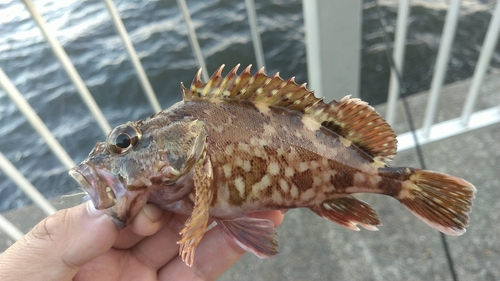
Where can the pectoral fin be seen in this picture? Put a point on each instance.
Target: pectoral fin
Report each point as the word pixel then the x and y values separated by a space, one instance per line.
pixel 253 235
pixel 348 212
pixel 196 225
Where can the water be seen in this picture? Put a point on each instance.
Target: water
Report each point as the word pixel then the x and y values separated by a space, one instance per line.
pixel 160 38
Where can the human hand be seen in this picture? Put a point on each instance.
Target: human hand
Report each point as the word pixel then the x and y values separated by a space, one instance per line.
pixel 82 243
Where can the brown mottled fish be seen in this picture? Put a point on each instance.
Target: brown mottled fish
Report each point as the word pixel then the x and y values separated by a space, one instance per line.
pixel 246 143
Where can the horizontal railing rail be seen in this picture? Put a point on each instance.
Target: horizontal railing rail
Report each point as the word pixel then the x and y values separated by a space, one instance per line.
pixel 430 131
pixel 468 120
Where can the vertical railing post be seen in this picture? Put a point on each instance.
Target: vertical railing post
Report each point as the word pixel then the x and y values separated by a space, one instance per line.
pixel 193 39
pixel 25 185
pixel 70 69
pixel 35 120
pixel 482 64
pixel 254 29
pixel 333 40
pixel 398 55
pixel 11 230
pixel 441 66
pixel 139 70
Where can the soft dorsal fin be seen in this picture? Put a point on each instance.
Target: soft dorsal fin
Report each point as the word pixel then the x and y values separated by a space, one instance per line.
pixel 351 118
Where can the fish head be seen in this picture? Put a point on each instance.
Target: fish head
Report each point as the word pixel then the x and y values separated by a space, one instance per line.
pixel 120 174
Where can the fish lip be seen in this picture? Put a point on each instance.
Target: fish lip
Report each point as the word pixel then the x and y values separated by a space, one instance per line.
pixel 109 193
pixel 98 188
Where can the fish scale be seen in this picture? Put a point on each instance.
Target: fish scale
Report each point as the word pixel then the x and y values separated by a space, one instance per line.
pixel 251 143
pixel 246 143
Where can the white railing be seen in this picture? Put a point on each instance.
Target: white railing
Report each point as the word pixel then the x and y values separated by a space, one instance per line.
pixel 68 67
pixel 430 132
pixel 141 74
pixel 469 120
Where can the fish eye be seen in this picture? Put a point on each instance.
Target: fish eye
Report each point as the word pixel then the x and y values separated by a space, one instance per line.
pixel 122 139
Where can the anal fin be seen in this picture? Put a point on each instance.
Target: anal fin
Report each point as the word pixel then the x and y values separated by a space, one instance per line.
pixel 254 235
pixel 348 212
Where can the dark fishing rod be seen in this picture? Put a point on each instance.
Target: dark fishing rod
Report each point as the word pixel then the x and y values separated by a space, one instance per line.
pixel 411 124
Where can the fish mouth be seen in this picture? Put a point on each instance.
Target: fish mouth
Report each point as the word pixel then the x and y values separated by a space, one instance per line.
pixel 108 193
pixel 101 186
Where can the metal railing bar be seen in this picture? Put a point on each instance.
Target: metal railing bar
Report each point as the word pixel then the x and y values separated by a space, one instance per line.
pixel 254 29
pixel 35 120
pixel 25 185
pixel 193 39
pixel 450 128
pixel 312 38
pixel 482 65
pixel 141 74
pixel 398 54
pixel 69 67
pixel 11 230
pixel 414 137
pixel 441 65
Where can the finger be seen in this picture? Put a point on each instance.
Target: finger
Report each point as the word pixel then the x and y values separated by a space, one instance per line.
pixel 148 221
pixel 158 249
pixel 57 246
pixel 214 255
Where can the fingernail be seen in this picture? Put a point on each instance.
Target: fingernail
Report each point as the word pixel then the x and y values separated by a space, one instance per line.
pixel 153 212
pixel 283 211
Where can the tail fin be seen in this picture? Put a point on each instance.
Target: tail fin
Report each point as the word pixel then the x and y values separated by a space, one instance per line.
pixel 442 201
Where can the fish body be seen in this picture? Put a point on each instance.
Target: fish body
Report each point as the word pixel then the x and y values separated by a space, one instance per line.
pixel 267 161
pixel 246 143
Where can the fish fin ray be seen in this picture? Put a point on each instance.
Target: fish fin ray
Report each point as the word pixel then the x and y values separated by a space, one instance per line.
pixel 348 212
pixel 196 225
pixel 350 118
pixel 254 235
pixel 359 123
pixel 442 201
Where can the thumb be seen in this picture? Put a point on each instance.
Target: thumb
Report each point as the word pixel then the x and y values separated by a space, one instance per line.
pixel 58 245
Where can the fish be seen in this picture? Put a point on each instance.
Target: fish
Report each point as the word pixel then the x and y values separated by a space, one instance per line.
pixel 244 143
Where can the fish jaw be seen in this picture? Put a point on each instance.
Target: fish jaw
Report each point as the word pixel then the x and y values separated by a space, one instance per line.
pixel 102 187
pixel 108 193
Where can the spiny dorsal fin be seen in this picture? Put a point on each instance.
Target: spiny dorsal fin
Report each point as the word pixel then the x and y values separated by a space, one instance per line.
pixel 352 119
